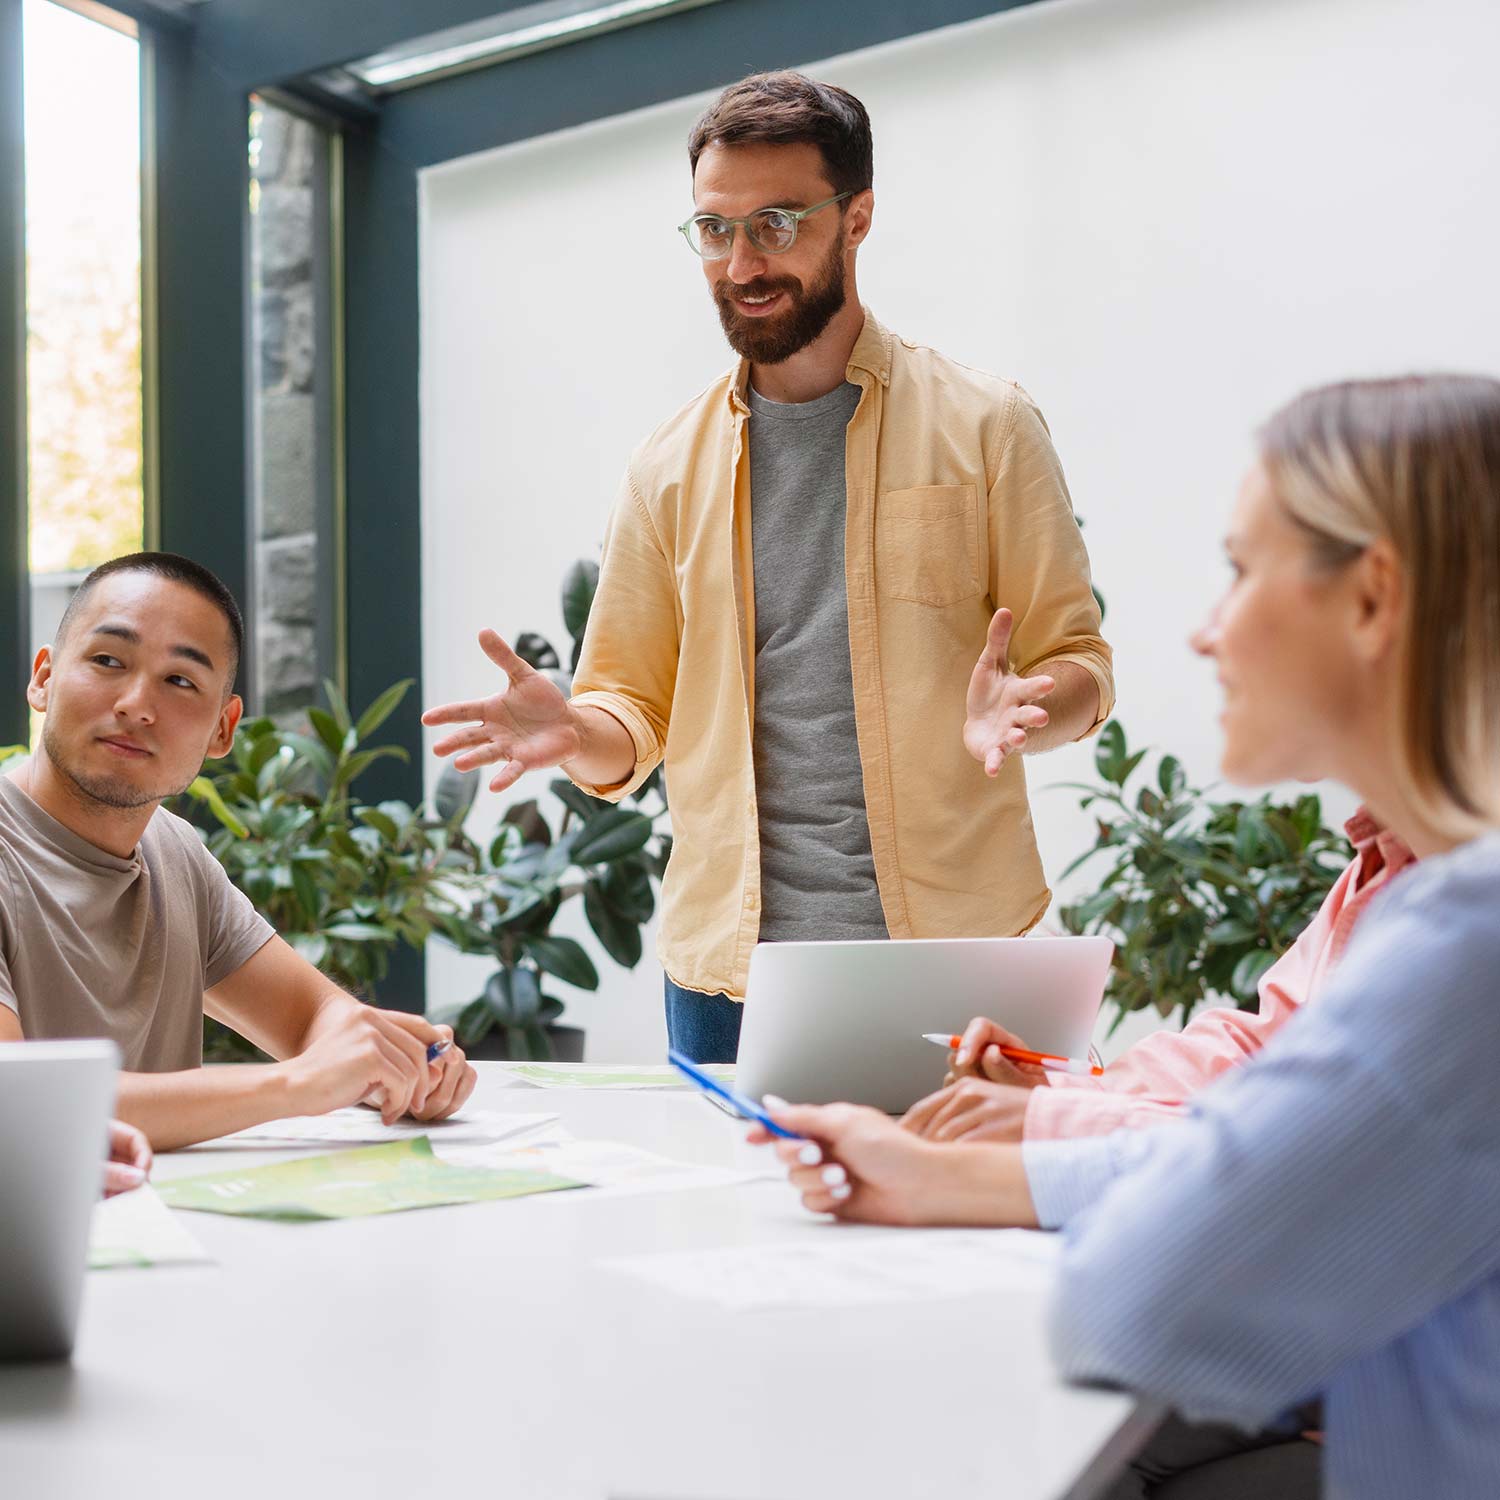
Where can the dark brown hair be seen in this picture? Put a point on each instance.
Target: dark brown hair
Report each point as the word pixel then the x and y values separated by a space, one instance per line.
pixel 1415 460
pixel 790 109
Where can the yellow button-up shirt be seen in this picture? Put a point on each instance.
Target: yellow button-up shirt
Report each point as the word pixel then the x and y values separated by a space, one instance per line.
pixel 956 506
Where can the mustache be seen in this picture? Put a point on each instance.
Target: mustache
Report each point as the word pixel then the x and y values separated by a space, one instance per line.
pixel 762 286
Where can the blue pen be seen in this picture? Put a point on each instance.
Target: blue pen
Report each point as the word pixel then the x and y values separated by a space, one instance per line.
pixel 437 1049
pixel 745 1108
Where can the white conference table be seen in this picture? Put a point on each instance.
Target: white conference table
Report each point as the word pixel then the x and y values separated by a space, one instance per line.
pixel 482 1350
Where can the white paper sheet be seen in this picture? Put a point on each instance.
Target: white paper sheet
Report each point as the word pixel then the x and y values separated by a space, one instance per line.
pixel 138 1229
pixel 359 1126
pixel 843 1269
pixel 609 1167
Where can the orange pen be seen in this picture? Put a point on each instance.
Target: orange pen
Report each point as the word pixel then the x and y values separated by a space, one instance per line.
pixel 1048 1060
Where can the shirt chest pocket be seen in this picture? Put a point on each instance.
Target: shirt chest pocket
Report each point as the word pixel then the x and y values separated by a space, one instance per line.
pixel 927 544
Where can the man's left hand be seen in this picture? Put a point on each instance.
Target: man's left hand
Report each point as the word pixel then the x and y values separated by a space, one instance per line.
pixel 1001 707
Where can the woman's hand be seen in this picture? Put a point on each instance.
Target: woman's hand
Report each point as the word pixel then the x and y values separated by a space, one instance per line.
pixel 970 1110
pixel 859 1164
pixel 978 1055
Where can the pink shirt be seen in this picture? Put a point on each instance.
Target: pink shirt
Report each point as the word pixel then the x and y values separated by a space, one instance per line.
pixel 1154 1079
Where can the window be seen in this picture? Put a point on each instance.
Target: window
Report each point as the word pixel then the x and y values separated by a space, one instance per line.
pixel 83 300
pixel 296 610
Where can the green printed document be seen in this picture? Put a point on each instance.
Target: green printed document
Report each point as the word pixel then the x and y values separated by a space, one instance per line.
pixel 349 1184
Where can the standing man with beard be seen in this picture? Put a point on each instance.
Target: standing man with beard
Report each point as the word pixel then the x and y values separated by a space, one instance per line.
pixel 836 589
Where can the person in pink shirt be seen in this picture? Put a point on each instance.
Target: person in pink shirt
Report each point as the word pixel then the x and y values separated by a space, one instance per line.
pixel 988 1098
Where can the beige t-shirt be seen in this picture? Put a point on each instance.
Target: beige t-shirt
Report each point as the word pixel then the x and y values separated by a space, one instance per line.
pixel 96 946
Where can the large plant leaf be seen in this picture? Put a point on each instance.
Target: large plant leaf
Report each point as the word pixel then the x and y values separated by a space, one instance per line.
pixel 621 938
pixel 358 764
pixel 580 583
pixel 575 799
pixel 527 817
pixel 564 959
pixel 612 835
pixel 453 798
pixel 327 730
pixel 340 707
pixel 203 790
pixel 626 886
pixel 514 995
pixel 536 651
pixel 382 708
pixel 1248 971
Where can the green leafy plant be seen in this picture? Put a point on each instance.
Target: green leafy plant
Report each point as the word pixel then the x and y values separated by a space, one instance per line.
pixel 343 881
pixel 608 855
pixel 1200 897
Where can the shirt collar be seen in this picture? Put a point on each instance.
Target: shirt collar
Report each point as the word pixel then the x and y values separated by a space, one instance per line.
pixel 871 354
pixel 1368 835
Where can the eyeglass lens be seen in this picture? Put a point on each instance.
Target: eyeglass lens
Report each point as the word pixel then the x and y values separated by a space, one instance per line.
pixel 772 230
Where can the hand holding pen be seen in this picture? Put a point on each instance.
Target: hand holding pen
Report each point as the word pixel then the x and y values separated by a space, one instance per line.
pixel 987 1050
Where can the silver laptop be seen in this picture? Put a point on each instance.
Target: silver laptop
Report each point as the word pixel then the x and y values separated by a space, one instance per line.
pixel 55 1102
pixel 831 1021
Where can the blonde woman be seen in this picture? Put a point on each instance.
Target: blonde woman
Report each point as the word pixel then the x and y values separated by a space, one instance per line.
pixel 1326 1223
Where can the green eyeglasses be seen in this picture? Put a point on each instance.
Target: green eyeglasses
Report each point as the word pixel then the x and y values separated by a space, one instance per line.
pixel 771 230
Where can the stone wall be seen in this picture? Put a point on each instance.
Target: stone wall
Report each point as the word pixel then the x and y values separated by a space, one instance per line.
pixel 284 329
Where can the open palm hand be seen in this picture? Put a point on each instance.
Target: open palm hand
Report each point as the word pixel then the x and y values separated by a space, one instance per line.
pixel 528 725
pixel 1001 707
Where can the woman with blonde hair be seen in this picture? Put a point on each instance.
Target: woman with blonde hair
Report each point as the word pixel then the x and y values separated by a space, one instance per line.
pixel 1325 1225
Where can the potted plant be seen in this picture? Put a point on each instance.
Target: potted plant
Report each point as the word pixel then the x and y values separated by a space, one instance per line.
pixel 1200 897
pixel 608 855
pixel 343 881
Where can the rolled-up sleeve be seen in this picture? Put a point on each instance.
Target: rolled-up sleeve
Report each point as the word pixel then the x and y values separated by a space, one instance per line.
pixel 628 666
pixel 1039 566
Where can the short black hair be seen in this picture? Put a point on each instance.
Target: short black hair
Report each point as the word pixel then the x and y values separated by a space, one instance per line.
pixel 790 109
pixel 178 569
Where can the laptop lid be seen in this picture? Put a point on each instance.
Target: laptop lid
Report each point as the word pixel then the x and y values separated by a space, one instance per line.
pixel 55 1102
pixel 831 1021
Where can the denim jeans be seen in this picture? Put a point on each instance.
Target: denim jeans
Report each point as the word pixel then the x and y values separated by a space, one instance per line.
pixel 705 1028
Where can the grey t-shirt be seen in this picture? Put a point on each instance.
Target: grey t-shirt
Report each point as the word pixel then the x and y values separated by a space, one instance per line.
pixel 92 945
pixel 817 873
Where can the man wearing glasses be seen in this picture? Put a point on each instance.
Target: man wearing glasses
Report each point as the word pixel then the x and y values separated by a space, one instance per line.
pixel 836 590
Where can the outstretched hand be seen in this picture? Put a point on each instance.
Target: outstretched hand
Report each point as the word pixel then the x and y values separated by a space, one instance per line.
pixel 527 726
pixel 1001 707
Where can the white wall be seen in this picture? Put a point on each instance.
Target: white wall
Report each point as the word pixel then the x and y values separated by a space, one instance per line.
pixel 1163 216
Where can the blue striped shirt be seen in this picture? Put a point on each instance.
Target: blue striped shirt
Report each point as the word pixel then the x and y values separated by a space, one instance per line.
pixel 1326 1221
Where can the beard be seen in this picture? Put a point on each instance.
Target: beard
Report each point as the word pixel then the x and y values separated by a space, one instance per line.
pixel 769 341
pixel 108 791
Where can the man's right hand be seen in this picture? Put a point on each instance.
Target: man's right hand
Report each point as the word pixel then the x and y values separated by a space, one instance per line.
pixel 528 725
pixel 360 1053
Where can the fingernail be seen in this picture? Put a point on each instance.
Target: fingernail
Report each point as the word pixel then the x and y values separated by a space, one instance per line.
pixel 960 1057
pixel 834 1174
pixel 841 1192
pixel 773 1101
pixel 133 1175
pixel 810 1154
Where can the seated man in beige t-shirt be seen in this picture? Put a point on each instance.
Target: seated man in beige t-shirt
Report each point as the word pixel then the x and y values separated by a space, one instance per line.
pixel 116 921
